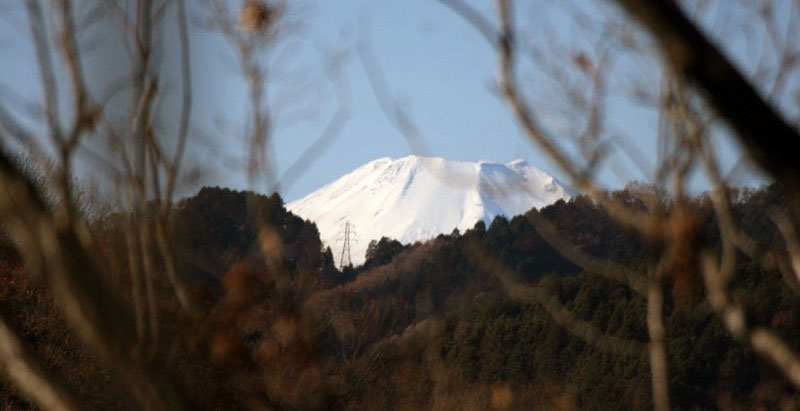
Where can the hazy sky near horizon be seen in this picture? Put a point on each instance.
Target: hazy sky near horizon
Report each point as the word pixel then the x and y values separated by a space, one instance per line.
pixel 435 65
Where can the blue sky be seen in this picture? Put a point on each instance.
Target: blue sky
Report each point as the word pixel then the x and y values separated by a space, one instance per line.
pixel 435 64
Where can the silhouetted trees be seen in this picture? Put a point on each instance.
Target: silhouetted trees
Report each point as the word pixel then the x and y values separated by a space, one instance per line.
pixel 432 311
pixel 382 251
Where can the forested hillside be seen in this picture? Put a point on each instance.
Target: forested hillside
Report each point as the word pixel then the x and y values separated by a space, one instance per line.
pixel 436 324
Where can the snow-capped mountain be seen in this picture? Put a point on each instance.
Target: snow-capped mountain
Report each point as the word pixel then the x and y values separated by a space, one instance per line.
pixel 416 198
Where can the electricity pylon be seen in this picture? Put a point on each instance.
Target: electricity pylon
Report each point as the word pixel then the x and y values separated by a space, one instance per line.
pixel 347 236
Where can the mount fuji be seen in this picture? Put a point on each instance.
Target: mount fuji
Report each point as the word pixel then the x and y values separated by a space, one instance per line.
pixel 416 198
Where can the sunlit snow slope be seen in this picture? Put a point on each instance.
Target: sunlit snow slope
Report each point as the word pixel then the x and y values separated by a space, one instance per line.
pixel 416 198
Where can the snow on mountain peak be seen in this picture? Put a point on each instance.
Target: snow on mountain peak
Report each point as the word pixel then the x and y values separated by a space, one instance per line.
pixel 416 198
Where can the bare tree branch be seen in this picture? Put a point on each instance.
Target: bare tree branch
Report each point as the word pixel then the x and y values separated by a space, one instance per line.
pixel 186 99
pixel 768 138
pixel 30 377
pixel 56 250
pixel 763 341
pixel 393 111
pixel 560 314
pixel 655 329
pixel 475 18
pixel 525 116
pixel 588 263
pixel 46 71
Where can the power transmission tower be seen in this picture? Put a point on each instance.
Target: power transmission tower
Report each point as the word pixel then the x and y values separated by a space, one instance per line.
pixel 346 236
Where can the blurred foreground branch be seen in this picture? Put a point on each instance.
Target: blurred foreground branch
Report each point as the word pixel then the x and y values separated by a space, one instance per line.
pixel 768 138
